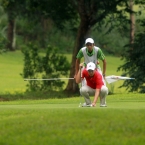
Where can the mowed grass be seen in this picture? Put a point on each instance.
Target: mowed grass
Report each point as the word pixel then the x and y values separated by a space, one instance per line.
pixel 62 122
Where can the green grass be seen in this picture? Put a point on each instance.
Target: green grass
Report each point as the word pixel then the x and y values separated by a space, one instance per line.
pixel 11 65
pixel 61 121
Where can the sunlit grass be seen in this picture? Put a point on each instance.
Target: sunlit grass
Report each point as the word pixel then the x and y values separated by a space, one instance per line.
pixel 11 65
pixel 62 121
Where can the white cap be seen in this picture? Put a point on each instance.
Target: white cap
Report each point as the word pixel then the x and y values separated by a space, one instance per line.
pixel 89 40
pixel 91 66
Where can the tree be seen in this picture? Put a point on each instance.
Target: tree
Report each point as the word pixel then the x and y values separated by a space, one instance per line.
pixel 134 64
pixel 135 60
pixel 37 66
pixel 132 23
pixel 38 11
pixel 2 30
pixel 12 8
pixel 90 13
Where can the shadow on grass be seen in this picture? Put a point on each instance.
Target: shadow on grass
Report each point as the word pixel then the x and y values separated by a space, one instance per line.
pixel 36 95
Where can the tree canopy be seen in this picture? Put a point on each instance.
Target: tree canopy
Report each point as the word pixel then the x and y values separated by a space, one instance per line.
pixel 134 65
pixel 80 17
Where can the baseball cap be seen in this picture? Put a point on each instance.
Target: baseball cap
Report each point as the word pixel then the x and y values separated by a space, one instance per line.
pixel 91 66
pixel 89 40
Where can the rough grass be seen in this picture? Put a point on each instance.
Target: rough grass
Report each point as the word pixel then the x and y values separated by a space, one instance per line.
pixel 11 65
pixel 61 121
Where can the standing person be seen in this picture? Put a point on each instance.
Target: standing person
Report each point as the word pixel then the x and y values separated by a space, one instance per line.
pixel 91 53
pixel 95 86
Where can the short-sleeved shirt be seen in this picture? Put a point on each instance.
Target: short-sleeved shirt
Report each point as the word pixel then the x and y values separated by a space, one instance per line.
pixel 100 54
pixel 95 82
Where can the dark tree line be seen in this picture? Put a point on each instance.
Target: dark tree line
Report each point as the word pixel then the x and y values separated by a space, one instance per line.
pixel 81 14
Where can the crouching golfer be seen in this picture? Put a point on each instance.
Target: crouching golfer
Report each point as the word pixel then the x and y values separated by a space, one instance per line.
pixel 95 86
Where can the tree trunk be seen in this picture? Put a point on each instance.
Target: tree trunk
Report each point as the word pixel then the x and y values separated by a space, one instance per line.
pixel 81 36
pixel 132 24
pixel 10 34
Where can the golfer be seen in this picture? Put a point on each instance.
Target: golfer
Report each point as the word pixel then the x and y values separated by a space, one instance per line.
pixel 91 53
pixel 95 86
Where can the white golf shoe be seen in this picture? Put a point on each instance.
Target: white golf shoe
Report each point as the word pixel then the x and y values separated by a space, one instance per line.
pixel 86 105
pixel 103 105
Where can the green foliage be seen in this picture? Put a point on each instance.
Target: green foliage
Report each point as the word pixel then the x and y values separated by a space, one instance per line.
pixel 112 42
pixel 58 11
pixel 141 2
pixel 3 21
pixel 12 7
pixel 42 36
pixel 2 43
pixel 134 65
pixel 51 65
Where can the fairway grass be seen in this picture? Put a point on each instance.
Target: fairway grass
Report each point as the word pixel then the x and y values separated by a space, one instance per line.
pixel 63 122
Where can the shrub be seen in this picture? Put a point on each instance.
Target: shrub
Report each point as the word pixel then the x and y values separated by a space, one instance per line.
pixel 44 65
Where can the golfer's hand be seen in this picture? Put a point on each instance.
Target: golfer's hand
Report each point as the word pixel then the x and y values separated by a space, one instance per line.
pixel 81 65
pixel 93 104
pixel 75 76
pixel 104 76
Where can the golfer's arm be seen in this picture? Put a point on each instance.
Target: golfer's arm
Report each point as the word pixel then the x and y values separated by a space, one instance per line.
pixel 96 96
pixel 78 77
pixel 104 66
pixel 77 66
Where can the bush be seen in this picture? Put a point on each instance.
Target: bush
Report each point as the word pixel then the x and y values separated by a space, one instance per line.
pixel 45 66
pixel 3 42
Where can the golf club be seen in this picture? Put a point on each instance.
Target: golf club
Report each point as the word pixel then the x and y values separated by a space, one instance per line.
pixel 81 87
